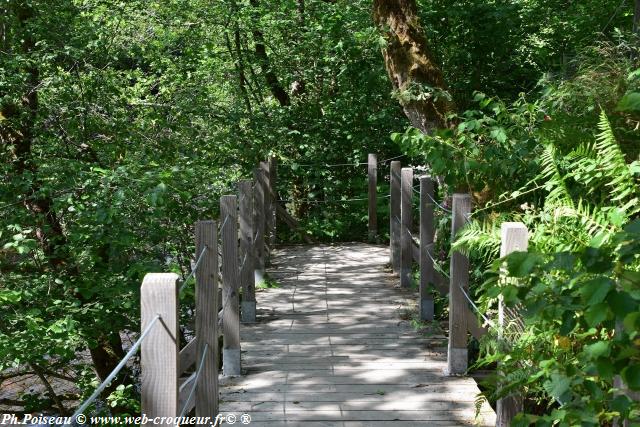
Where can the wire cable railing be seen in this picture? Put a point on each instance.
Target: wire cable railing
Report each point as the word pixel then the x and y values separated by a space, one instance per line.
pixel 225 221
pixel 187 402
pixel 226 297
pixel 195 268
pixel 335 201
pixel 244 260
pixel 107 381
pixel 475 307
pixel 337 165
pixel 438 204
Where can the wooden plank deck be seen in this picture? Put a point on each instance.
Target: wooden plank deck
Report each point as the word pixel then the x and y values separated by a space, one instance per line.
pixel 330 349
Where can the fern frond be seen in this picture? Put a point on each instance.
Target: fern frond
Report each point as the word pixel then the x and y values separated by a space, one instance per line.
pixel 479 401
pixel 481 238
pixel 593 219
pixel 612 162
pixel 555 182
pixel 582 151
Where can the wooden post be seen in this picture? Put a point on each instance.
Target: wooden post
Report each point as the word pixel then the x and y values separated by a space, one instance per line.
pixel 273 199
pixel 394 215
pixel 427 271
pixel 258 221
pixel 207 318
pixel 268 200
pixel 373 189
pixel 230 283
pixel 159 357
pixel 514 238
pixel 457 349
pixel 406 241
pixel 247 276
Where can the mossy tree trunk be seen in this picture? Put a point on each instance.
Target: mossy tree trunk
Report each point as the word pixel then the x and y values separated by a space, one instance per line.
pixel 416 78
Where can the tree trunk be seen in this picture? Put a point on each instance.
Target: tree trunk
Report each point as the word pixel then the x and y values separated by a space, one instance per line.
pixel 415 76
pixel 265 66
pixel 239 68
pixel 19 134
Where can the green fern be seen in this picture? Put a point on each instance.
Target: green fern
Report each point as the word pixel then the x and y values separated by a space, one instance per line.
pixel 479 401
pixel 612 163
pixel 555 181
pixel 481 238
pixel 595 168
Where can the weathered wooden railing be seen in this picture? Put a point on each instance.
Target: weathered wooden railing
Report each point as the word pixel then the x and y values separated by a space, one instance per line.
pixel 247 234
pixel 407 248
pixel 175 379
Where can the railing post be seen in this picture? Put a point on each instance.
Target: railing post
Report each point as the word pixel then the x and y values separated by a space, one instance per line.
pixel 273 200
pixel 394 215
pixel 159 354
pixel 247 276
pixel 406 242
pixel 514 238
pixel 268 227
pixel 230 282
pixel 457 357
pixel 207 318
pixel 427 272
pixel 258 220
pixel 373 190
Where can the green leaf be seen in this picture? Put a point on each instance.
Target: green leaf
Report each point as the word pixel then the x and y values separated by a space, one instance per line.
pixel 631 376
pixel 568 323
pixel 521 264
pixel 631 321
pixel 621 303
pixel 629 102
pixel 599 349
pixel 557 385
pixel 10 296
pixel 595 291
pixel 596 314
pixel 499 134
pixel 563 261
pixel 605 368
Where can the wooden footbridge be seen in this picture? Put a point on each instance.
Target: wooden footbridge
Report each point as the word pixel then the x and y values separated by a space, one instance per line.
pixel 332 344
pixel 331 348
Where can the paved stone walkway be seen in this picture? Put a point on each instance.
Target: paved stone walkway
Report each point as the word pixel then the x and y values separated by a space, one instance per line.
pixel 330 349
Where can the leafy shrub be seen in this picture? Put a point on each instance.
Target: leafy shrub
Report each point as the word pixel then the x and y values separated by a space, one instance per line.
pixel 581 318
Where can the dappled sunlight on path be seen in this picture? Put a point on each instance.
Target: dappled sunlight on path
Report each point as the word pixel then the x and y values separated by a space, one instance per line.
pixel 330 349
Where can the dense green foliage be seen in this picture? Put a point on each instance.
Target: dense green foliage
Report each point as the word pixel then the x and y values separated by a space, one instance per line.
pixel 566 164
pixel 122 122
